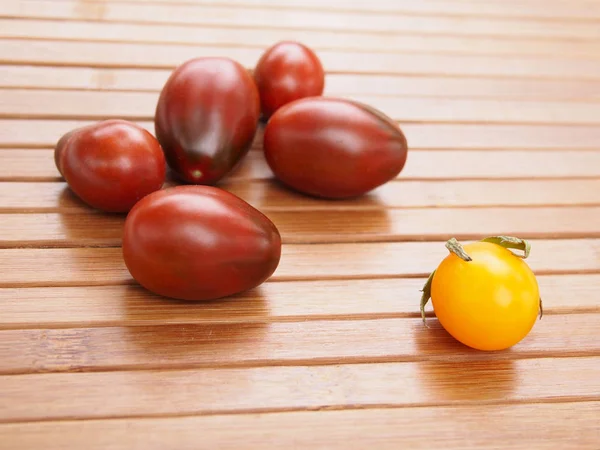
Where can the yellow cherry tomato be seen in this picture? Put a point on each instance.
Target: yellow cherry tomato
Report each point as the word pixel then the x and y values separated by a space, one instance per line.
pixel 484 294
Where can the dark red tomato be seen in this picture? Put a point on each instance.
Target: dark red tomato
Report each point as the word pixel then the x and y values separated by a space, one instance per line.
pixel 286 72
pixel 206 118
pixel 199 243
pixel 112 164
pixel 333 148
pixel 59 147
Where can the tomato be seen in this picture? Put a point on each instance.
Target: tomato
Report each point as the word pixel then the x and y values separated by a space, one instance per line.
pixel 206 118
pixel 195 242
pixel 333 148
pixel 287 71
pixel 483 294
pixel 111 164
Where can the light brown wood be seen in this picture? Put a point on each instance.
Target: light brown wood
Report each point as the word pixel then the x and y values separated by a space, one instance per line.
pixel 163 56
pixel 542 426
pixel 165 393
pixel 535 10
pixel 499 102
pixel 142 105
pixel 277 343
pixel 299 19
pixel 314 226
pixel 317 39
pixel 342 84
pixel 45 133
pixel 101 266
pixel 271 196
pixel 38 165
pixel 131 305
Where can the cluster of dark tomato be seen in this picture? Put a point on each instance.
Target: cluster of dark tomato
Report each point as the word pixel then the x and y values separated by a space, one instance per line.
pixel 195 240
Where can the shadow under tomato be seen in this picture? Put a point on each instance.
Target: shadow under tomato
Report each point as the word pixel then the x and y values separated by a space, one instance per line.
pixel 459 373
pixel 207 332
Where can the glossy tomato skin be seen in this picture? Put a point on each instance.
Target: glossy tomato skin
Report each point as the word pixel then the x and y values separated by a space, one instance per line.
pixel 206 118
pixel 489 303
pixel 287 71
pixel 333 148
pixel 112 164
pixel 194 242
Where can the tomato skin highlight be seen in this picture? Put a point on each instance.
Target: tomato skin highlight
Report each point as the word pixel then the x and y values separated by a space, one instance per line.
pixel 333 148
pixel 489 303
pixel 285 72
pixel 112 164
pixel 206 118
pixel 195 242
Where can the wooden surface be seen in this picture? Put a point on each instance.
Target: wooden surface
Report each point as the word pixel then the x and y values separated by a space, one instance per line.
pixel 500 103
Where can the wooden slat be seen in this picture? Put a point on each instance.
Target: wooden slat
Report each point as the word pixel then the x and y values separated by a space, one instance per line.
pixel 49 77
pixel 270 196
pixel 142 105
pixel 162 56
pixel 38 165
pixel 103 266
pixel 236 17
pixel 563 425
pixel 147 394
pixel 130 305
pixel 276 343
pixel 535 10
pixel 68 230
pixel 45 133
pixel 316 39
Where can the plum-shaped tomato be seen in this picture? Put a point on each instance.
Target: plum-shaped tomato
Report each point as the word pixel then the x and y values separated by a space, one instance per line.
pixel 286 72
pixel 206 118
pixel 333 148
pixel 111 165
pixel 196 242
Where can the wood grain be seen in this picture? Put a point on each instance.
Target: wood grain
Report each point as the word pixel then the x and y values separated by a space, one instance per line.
pixel 322 226
pixel 566 425
pixel 166 56
pixel 317 39
pixel 342 84
pixel 300 19
pixel 165 393
pixel 101 266
pixel 131 305
pixel 535 10
pixel 38 165
pixel 270 195
pixel 45 133
pixel 142 105
pixel 277 343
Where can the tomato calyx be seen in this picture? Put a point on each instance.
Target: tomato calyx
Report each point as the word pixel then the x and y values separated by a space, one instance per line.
pixel 453 246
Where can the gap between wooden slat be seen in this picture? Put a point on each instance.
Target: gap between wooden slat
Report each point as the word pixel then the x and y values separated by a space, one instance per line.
pixel 236 17
pixel 118 306
pixel 156 56
pixel 557 424
pixel 317 40
pixel 83 396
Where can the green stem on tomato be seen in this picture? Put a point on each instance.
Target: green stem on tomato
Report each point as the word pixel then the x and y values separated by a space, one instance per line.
pixel 426 295
pixel 509 242
pixel 454 247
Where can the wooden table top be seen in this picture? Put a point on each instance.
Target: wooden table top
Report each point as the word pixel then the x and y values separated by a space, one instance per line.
pixel 500 103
